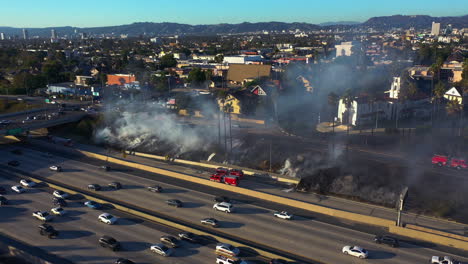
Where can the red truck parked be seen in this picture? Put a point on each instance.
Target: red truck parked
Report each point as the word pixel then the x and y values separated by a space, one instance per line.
pixel 230 180
pixel 440 161
pixel 236 172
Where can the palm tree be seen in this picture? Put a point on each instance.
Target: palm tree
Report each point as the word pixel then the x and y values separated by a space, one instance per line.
pixel 332 102
pixel 439 92
pixel 228 108
pixel 453 108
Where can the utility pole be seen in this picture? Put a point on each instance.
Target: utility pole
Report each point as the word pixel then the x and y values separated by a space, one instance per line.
pixel 400 203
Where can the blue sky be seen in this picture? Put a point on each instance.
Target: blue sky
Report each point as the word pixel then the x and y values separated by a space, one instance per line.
pixel 89 13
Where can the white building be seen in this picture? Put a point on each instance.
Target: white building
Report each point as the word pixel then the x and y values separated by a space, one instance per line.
pixel 394 91
pixel 2 36
pixel 347 48
pixel 435 31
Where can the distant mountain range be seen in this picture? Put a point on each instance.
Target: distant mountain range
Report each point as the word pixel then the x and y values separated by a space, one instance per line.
pixel 154 29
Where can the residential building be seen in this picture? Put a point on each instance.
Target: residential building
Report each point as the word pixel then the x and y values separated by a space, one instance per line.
pixel 435 31
pixel 347 48
pixel 237 73
pixel 452 68
pixel 120 79
pixel 454 94
pixel 395 87
pixel 83 80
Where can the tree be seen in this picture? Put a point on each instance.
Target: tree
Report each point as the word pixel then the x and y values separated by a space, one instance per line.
pixel 167 61
pixel 219 58
pixel 454 108
pixel 332 102
pixel 439 91
pixel 348 99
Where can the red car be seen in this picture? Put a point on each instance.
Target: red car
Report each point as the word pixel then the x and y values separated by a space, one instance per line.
pixel 236 172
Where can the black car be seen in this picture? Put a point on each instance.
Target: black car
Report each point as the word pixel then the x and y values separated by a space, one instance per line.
pixel 59 202
pixel 123 261
pixel 174 202
pixel 388 240
pixel 170 241
pixel 109 242
pixel 94 187
pixel 210 221
pixel 13 163
pixel 3 200
pixel 115 185
pixel 17 151
pixel 105 168
pixel 48 230
pixel 156 189
pixel 222 199
pixel 278 261
pixel 188 236
pixel 2 190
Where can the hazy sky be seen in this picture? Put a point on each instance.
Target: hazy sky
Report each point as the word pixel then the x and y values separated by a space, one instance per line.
pixel 89 13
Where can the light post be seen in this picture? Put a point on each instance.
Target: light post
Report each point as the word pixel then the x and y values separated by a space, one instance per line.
pixel 400 204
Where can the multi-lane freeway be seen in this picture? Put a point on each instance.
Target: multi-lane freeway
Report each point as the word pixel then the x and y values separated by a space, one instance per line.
pixel 302 236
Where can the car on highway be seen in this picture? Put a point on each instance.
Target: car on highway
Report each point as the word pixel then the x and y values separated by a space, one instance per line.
pixel 283 215
pixel 3 200
pixel 228 249
pixel 170 241
pixel 18 189
pixel 55 168
pixel 17 152
pixel 222 199
pixel 48 230
pixel 105 168
pixel 387 240
pixel 190 237
pixel 224 207
pixel 355 251
pixel 155 188
pixel 5 122
pixel 221 259
pixel 94 187
pixel 174 202
pixel 42 215
pixel 93 204
pixel 443 260
pixel 162 250
pixel 278 261
pixel 107 218
pixel 13 163
pixel 27 183
pixel 109 242
pixel 115 185
pixel 123 261
pixel 59 202
pixel 210 221
pixel 58 211
pixel 60 194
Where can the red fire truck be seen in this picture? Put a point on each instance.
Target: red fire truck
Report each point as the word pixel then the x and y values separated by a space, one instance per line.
pixel 230 180
pixel 446 161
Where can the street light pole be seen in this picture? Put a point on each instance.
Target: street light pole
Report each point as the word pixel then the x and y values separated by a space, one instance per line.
pixel 401 201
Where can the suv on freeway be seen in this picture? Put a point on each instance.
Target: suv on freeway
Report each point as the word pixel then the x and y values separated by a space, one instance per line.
pixel 155 189
pixel 115 185
pixel 94 187
pixel 48 230
pixel 109 242
pixel 174 202
pixel 387 240
pixel 170 241
pixel 223 207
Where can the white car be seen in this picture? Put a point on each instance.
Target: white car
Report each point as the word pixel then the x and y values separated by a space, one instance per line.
pixel 283 215
pixel 18 189
pixel 43 216
pixel 55 168
pixel 443 260
pixel 58 211
pixel 162 250
pixel 227 249
pixel 223 207
pixel 355 251
pixel 27 183
pixel 107 218
pixel 60 194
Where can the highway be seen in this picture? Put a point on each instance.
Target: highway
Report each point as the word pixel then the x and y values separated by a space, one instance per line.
pixel 302 236
pixel 80 230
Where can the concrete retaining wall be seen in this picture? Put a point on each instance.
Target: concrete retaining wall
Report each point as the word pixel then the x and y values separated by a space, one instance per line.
pixel 437 232
pixel 430 237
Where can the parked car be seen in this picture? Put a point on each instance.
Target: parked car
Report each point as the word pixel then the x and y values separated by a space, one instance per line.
pixel 174 202
pixel 388 240
pixel 107 218
pixel 59 202
pixel 58 211
pixel 94 187
pixel 93 204
pixel 156 189
pixel 227 249
pixel 18 189
pixel 283 215
pixel 43 216
pixel 222 199
pixel 115 185
pixel 210 221
pixel 48 230
pixel 355 251
pixel 123 261
pixel 55 168
pixel 60 194
pixel 109 242
pixel 224 207
pixel 188 236
pixel 3 200
pixel 162 250
pixel 13 163
pixel 27 183
pixel 170 241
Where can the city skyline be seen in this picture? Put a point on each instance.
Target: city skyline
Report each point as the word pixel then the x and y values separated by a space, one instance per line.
pixel 51 13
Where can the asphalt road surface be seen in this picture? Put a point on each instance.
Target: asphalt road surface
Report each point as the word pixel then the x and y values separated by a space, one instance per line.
pixel 301 236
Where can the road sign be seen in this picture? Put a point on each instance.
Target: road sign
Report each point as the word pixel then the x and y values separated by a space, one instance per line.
pixel 15 131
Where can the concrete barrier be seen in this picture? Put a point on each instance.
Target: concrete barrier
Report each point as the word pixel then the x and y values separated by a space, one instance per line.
pixel 437 232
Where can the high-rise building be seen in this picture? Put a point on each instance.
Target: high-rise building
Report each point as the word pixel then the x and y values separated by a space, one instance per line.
pixel 435 31
pixel 25 34
pixel 2 36
pixel 53 34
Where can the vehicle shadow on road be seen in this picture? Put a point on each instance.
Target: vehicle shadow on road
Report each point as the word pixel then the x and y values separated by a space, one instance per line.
pixel 124 221
pixel 134 246
pixel 171 190
pixel 72 170
pixel 250 210
pixel 64 248
pixel 76 197
pixel 11 213
pixel 73 234
pixel 227 224
pixel 75 204
pixel 181 253
pixel 416 244
pixel 192 205
pixel 377 254
pixel 18 202
pixel 64 219
pixel 132 187
pixel 74 213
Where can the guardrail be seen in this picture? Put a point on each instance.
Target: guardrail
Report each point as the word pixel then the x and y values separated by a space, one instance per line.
pixel 170 221
pixel 26 112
